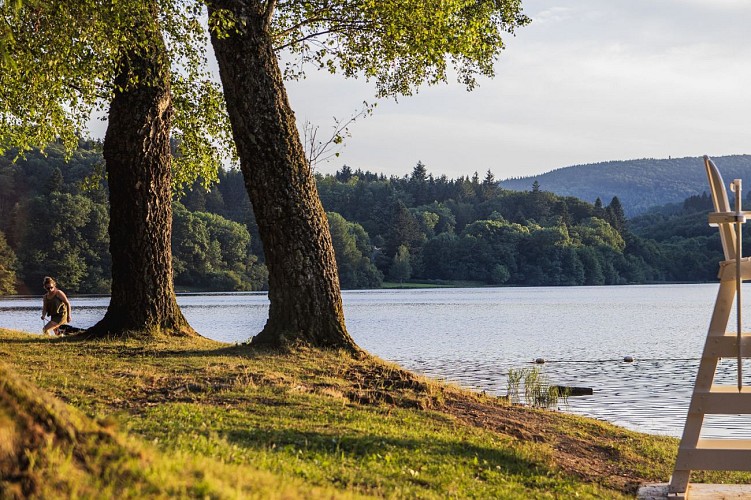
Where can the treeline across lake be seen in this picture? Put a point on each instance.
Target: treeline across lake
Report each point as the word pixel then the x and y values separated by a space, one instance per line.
pixel 54 222
pixel 417 227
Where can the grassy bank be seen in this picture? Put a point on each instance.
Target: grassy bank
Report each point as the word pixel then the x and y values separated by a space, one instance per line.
pixel 200 418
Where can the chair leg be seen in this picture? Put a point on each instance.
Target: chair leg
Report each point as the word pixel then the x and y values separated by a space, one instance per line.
pixel 679 481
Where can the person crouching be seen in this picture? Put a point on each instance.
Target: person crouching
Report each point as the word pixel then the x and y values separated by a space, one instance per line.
pixel 55 305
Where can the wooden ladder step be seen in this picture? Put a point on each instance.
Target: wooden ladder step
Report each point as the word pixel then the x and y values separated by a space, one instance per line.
pixel 716 454
pixel 722 400
pixel 727 270
pixel 725 346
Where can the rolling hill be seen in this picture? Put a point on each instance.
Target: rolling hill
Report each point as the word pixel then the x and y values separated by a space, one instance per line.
pixel 639 184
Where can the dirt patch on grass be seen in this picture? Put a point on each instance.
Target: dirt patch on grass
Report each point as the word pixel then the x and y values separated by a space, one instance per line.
pixel 593 460
pixel 594 457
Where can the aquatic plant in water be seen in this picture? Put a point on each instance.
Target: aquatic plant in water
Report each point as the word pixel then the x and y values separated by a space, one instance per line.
pixel 536 387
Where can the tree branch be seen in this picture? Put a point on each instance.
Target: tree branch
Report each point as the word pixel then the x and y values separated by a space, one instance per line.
pixel 319 151
pixel 299 26
pixel 269 13
pixel 339 28
pixel 298 40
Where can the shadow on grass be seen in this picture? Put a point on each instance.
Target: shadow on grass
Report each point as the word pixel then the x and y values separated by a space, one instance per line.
pixel 138 346
pixel 213 349
pixel 243 351
pixel 32 339
pixel 363 447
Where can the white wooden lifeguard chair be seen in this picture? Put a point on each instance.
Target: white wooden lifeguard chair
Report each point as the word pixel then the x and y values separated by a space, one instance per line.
pixel 710 399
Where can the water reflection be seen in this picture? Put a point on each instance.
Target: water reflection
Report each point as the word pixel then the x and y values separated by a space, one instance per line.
pixel 473 337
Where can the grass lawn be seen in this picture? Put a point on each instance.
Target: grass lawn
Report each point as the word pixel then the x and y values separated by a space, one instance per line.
pixel 197 418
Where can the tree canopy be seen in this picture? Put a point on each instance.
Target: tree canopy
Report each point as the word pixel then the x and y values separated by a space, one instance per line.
pixel 400 45
pixel 61 67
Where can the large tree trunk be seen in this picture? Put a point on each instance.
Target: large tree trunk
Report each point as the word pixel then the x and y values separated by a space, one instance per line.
pixel 306 303
pixel 137 154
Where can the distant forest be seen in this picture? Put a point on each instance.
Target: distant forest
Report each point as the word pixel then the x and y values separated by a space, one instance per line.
pixel 417 227
pixel 639 184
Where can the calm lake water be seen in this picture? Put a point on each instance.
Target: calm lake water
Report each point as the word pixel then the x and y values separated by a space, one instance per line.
pixel 474 336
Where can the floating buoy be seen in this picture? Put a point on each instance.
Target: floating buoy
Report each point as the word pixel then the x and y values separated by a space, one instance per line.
pixel 540 361
pixel 628 359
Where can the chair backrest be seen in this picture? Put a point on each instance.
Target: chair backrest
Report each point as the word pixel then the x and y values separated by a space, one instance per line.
pixel 721 204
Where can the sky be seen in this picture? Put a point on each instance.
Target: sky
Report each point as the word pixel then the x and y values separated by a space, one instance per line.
pixel 586 81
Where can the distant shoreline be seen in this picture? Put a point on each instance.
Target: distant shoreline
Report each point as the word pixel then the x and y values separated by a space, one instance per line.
pixel 387 285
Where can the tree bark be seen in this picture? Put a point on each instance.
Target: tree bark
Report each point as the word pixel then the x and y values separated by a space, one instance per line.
pixel 304 294
pixel 137 154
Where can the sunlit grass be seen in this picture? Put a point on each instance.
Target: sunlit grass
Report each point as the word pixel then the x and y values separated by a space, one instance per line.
pixel 230 421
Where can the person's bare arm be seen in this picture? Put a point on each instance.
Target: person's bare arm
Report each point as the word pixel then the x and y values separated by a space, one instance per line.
pixel 65 300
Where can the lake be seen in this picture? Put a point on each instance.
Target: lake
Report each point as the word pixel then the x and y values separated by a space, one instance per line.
pixel 474 336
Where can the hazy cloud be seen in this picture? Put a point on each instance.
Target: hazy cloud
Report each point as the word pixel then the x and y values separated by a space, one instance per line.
pixel 586 81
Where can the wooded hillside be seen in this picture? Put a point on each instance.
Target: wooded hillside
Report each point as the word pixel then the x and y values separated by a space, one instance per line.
pixel 639 184
pixel 417 227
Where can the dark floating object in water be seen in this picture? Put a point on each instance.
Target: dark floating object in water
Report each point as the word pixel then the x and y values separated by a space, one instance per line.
pixel 540 361
pixel 70 330
pixel 574 391
pixel 628 359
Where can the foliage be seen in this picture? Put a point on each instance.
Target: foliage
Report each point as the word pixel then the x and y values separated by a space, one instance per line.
pixel 495 249
pixel 56 221
pixel 213 253
pixel 64 60
pixel 469 231
pixel 400 45
pixel 596 232
pixel 39 105
pixel 474 231
pixel 353 254
pixel 65 236
pixel 8 265
pixel 57 217
pixel 400 269
pixel 688 247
